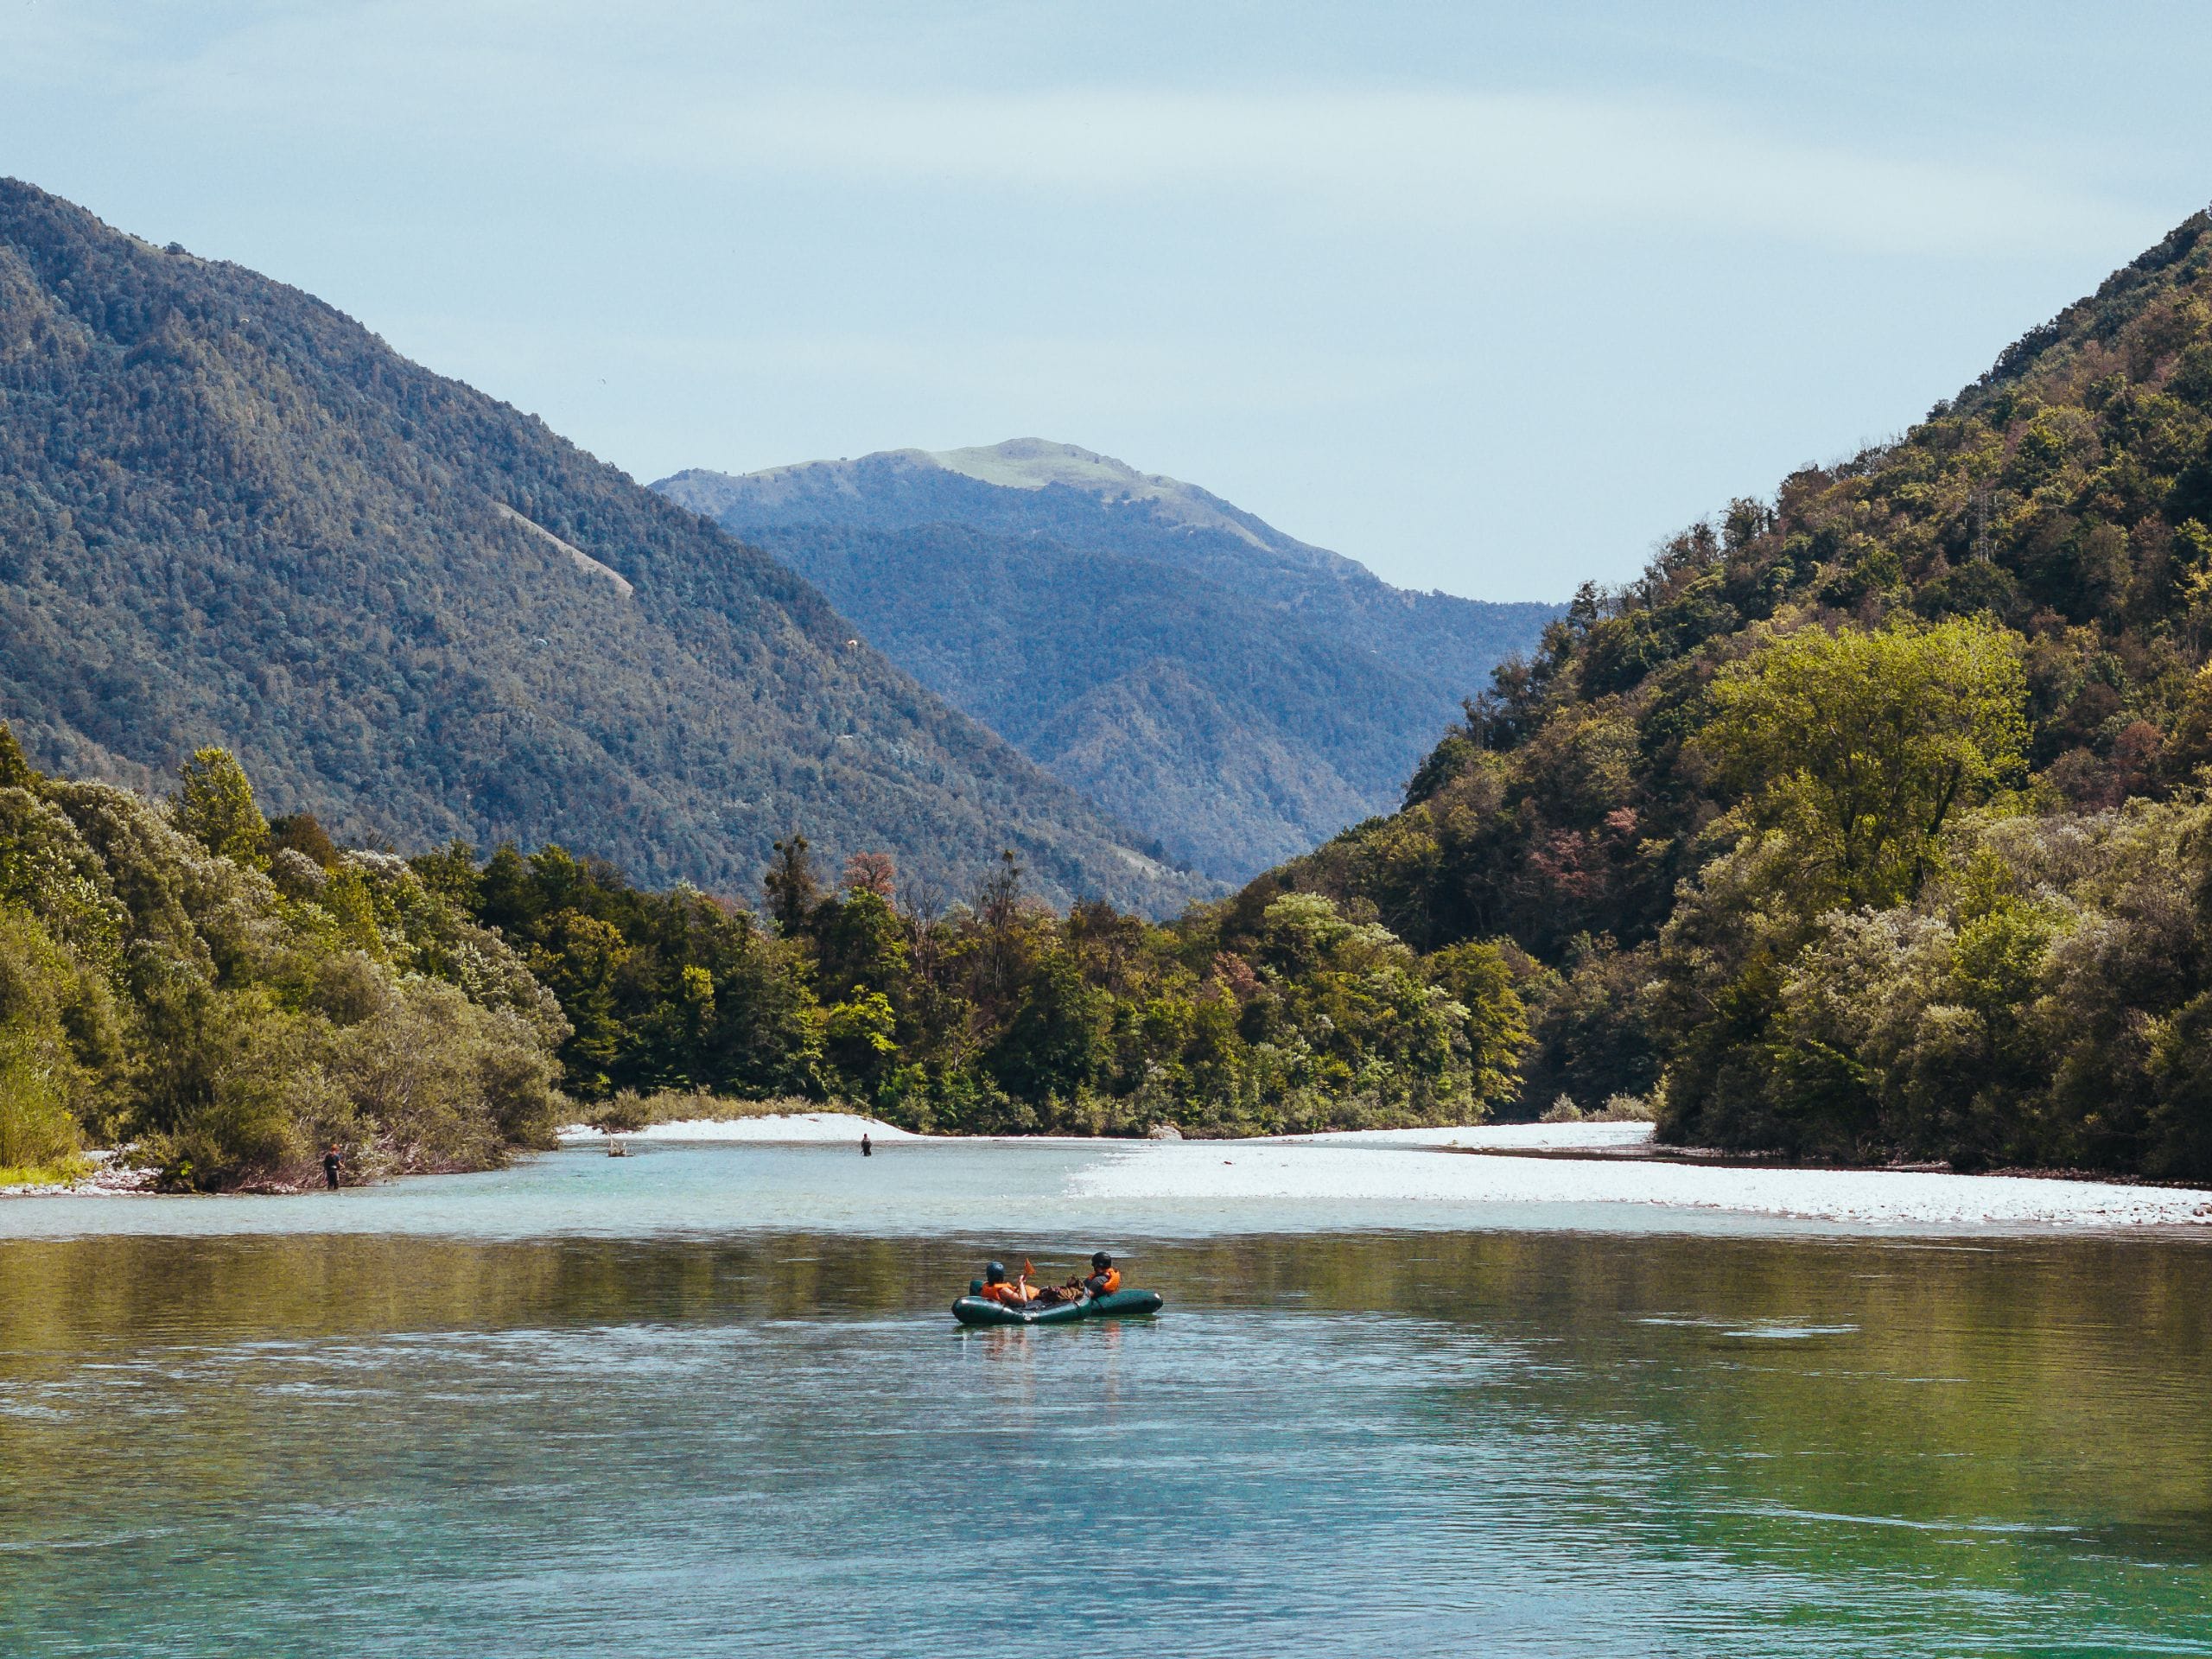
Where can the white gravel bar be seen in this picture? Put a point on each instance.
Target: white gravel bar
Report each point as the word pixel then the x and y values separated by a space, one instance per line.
pixel 1503 1137
pixel 846 1127
pixel 1393 1168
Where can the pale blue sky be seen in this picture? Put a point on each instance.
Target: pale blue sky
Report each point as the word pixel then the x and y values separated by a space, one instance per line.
pixel 1489 297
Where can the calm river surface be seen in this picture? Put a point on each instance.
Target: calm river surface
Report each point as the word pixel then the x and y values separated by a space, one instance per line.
pixel 707 1402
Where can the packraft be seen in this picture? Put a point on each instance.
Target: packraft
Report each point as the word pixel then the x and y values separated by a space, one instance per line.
pixel 1122 1304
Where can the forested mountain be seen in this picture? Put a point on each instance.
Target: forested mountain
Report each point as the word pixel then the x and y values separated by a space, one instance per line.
pixel 1872 822
pixel 1194 711
pixel 229 514
pixel 1233 691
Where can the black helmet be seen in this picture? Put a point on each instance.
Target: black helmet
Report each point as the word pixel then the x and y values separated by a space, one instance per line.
pixel 1100 1259
pixel 994 1271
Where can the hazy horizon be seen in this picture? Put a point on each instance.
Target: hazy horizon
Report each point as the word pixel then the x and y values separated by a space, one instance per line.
pixel 1488 301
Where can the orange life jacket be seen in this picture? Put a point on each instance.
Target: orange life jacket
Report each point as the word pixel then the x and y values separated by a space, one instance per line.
pixel 1104 1284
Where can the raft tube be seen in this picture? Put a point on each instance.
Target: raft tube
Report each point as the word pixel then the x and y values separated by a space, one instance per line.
pixel 1122 1304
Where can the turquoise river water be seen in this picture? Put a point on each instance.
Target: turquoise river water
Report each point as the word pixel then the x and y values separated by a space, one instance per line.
pixel 707 1401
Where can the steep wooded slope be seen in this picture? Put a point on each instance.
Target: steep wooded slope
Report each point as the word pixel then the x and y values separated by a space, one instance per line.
pixel 1872 821
pixel 1195 713
pixel 2065 494
pixel 229 514
pixel 1235 692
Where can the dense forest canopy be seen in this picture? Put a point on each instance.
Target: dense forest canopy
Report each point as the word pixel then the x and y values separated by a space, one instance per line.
pixel 1871 822
pixel 229 514
pixel 995 1012
pixel 224 995
pixel 182 978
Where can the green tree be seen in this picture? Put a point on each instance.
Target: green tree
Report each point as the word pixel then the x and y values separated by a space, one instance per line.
pixel 1476 976
pixel 860 1038
pixel 581 962
pixel 764 1038
pixel 15 771
pixel 859 945
pixel 302 833
pixel 792 888
pixel 226 1083
pixel 1862 743
pixel 216 808
pixel 41 1081
pixel 1056 1042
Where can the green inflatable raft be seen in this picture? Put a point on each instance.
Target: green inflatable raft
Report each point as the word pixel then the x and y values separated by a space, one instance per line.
pixel 1122 1304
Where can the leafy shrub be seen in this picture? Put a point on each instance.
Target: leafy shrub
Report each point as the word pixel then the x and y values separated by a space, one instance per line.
pixel 157 988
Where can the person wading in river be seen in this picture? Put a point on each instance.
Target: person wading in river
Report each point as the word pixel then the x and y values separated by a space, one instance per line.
pixel 331 1164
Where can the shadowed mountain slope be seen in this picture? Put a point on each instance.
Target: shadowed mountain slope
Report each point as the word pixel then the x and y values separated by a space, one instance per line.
pixel 1235 692
pixel 229 514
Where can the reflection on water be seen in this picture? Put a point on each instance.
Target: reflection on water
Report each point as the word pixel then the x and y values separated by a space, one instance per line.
pixel 1394 1444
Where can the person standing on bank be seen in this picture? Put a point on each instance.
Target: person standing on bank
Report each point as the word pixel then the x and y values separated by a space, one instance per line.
pixel 330 1166
pixel 867 1151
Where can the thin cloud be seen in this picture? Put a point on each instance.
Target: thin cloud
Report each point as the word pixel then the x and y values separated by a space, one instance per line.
pixel 596 97
pixel 1444 158
pixel 1112 376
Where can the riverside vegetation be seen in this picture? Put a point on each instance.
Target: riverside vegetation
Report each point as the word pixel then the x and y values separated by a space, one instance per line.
pixel 226 996
pixel 1871 823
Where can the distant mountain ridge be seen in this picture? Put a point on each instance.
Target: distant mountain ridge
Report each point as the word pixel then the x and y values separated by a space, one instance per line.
pixel 824 492
pixel 1238 693
pixel 229 514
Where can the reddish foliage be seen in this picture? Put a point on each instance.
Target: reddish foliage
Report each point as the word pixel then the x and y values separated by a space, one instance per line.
pixel 871 873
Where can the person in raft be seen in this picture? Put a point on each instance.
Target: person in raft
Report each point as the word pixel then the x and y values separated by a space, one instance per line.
pixel 996 1287
pixel 1105 1278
